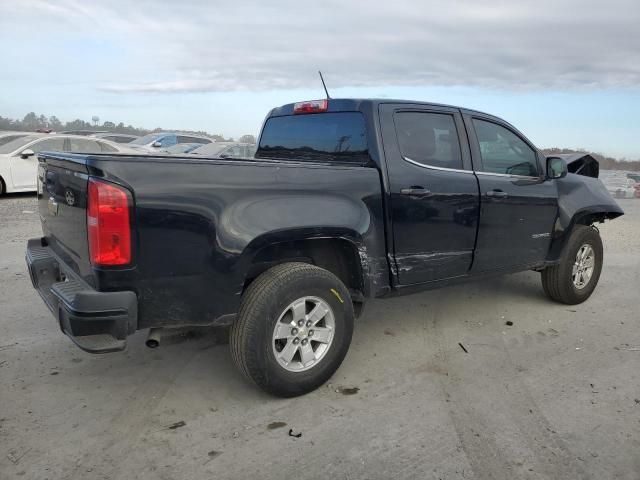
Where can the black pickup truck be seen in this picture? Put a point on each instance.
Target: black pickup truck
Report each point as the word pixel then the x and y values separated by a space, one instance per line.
pixel 345 200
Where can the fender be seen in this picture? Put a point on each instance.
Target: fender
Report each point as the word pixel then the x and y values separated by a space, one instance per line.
pixel 582 200
pixel 258 222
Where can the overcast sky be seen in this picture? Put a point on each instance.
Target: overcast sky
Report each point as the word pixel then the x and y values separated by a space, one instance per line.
pixel 567 73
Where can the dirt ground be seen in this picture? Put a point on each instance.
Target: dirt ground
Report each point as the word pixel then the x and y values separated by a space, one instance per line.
pixel 554 396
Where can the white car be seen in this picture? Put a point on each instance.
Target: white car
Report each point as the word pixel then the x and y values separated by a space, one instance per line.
pixel 19 162
pixel 620 187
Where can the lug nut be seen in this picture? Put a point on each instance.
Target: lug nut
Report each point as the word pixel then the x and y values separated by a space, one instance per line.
pixel 294 331
pixel 304 341
pixel 300 323
pixel 309 323
pixel 311 333
pixel 296 341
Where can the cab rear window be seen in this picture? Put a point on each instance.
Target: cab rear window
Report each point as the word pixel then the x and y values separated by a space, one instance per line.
pixel 337 136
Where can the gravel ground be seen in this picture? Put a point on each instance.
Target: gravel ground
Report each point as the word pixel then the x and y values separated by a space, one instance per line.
pixel 554 396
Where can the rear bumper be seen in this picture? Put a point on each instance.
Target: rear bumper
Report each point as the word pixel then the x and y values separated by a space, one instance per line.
pixel 97 322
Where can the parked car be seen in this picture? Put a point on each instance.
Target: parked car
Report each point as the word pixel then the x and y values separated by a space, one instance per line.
pixel 157 141
pixel 84 133
pixel 620 187
pixel 634 176
pixel 181 148
pixel 19 164
pixel 116 137
pixel 344 201
pixel 226 150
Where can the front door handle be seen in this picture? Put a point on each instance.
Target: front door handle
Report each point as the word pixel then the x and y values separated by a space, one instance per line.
pixel 415 191
pixel 497 194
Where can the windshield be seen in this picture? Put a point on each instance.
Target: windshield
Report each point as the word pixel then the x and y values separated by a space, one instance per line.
pixel 147 139
pixel 17 143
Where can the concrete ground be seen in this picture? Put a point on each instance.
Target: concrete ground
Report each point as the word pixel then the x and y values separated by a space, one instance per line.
pixel 555 396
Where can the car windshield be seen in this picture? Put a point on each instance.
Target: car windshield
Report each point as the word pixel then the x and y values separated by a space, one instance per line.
pixel 17 143
pixel 147 139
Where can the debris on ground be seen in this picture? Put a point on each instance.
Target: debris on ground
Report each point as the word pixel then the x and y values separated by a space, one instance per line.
pixel 347 390
pixel 462 347
pixel 627 347
pixel 295 435
pixel 274 425
pixel 391 333
pixel 176 425
pixel 509 323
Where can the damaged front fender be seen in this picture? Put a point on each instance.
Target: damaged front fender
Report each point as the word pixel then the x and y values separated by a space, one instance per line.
pixel 582 200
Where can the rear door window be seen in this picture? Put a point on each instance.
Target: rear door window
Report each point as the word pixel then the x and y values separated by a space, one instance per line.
pixel 339 136
pixel 504 152
pixel 430 139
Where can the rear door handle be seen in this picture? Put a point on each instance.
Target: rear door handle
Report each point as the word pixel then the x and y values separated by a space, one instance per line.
pixel 415 191
pixel 497 194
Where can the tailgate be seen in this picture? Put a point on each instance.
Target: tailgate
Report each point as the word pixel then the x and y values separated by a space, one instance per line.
pixel 62 203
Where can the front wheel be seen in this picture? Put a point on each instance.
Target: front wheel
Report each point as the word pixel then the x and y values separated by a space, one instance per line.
pixel 293 329
pixel 574 279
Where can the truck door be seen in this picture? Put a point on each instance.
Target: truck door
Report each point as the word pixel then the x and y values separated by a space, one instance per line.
pixel 518 207
pixel 434 196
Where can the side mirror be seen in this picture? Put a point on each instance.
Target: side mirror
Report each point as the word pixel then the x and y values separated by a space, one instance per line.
pixel 27 153
pixel 556 167
pixel 156 144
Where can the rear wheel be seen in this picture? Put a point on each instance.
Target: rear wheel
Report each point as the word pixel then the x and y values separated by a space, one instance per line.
pixel 293 329
pixel 574 279
pixel 2 187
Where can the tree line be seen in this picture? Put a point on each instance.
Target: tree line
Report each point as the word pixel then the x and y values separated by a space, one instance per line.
pixel 32 122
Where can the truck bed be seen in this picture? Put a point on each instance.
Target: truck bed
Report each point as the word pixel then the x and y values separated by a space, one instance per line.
pixel 199 224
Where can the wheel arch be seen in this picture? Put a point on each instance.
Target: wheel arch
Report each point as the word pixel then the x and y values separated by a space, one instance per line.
pixel 340 251
pixel 563 229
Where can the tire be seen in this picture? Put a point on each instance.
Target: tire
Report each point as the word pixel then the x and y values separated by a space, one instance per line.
pixel 3 189
pixel 267 304
pixel 558 281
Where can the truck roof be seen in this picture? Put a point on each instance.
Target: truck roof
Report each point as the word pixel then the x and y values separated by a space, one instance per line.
pixel 371 104
pixel 355 104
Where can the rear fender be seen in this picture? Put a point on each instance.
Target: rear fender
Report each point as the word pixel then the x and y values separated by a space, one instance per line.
pixel 365 274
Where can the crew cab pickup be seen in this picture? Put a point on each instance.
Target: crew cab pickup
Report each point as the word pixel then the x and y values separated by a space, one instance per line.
pixel 344 200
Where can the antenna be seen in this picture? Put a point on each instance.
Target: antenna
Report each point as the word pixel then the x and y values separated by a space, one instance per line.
pixel 323 84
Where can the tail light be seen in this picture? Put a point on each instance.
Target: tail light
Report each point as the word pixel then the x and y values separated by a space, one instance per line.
pixel 108 225
pixel 312 106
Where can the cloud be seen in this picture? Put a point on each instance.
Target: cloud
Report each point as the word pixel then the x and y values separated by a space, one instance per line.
pixel 205 46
